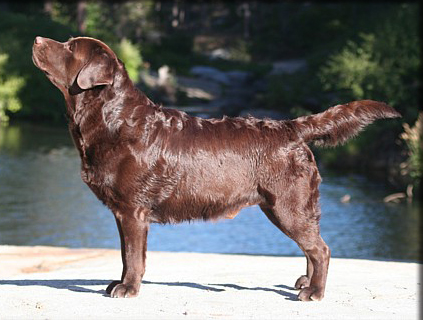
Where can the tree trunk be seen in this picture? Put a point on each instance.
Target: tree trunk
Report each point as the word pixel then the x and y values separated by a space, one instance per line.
pixel 48 7
pixel 247 14
pixel 81 14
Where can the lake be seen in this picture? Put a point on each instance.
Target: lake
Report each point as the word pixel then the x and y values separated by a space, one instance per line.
pixel 43 201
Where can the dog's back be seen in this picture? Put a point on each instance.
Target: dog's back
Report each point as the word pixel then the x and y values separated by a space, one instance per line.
pixel 211 168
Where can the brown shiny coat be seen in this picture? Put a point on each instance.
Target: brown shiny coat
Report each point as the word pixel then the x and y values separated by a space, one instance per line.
pixel 152 164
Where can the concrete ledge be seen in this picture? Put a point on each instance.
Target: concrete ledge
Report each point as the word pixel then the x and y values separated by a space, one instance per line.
pixel 62 283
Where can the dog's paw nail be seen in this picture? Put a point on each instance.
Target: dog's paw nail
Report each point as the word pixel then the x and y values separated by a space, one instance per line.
pixel 111 286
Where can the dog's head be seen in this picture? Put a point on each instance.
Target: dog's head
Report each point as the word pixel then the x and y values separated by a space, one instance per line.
pixel 82 62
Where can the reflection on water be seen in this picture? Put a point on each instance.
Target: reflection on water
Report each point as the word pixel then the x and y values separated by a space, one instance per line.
pixel 44 202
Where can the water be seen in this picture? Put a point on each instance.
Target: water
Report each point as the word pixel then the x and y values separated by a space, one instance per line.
pixel 44 202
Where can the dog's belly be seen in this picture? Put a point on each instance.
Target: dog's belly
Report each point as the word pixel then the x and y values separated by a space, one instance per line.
pixel 176 210
pixel 209 191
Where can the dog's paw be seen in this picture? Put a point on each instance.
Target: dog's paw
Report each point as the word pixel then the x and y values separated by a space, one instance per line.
pixel 302 282
pixel 310 294
pixel 112 285
pixel 124 291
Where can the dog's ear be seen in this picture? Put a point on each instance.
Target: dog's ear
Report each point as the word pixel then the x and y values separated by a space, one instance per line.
pixel 98 71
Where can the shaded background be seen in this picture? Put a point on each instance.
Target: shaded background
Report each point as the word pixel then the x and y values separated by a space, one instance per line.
pixel 268 59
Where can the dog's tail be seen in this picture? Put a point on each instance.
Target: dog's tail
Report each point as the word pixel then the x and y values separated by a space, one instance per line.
pixel 342 122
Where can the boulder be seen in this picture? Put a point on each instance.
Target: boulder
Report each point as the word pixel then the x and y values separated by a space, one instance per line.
pixel 211 74
pixel 288 66
pixel 220 53
pixel 238 76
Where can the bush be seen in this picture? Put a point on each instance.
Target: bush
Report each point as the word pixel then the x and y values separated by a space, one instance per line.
pixel 174 50
pixel 9 89
pixel 353 71
pixel 382 65
pixel 39 99
pixel 131 57
pixel 23 87
pixel 294 94
pixel 413 138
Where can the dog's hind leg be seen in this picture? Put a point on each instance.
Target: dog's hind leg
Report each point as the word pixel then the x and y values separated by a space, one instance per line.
pixel 318 254
pixel 305 233
pixel 304 280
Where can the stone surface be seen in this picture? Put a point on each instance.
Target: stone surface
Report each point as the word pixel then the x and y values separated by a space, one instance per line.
pixel 211 74
pixel 61 283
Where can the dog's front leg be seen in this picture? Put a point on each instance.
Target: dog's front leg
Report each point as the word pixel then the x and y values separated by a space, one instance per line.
pixel 133 230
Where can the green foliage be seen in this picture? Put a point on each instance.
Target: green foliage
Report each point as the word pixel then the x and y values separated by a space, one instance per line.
pixel 100 22
pixel 288 92
pixel 9 88
pixel 28 91
pixel 177 51
pixel 63 13
pixel 353 69
pixel 372 48
pixel 372 150
pixel 131 57
pixel 290 30
pixel 240 51
pixel 174 50
pixel 382 65
pixel 413 138
pixel 39 99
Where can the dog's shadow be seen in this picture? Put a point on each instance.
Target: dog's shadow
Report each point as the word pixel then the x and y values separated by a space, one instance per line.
pixel 79 285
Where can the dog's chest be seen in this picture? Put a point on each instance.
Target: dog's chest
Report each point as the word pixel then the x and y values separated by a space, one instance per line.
pixel 100 181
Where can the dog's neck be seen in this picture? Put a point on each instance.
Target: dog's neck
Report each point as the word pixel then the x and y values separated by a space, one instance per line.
pixel 101 111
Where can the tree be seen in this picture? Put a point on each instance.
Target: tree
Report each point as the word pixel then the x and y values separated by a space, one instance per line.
pixel 81 12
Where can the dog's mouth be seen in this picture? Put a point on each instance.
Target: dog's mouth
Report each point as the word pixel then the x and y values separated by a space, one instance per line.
pixel 38 64
pixel 35 59
pixel 37 54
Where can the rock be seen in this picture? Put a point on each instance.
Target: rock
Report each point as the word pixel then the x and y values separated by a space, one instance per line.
pixel 238 76
pixel 236 98
pixel 260 85
pixel 219 53
pixel 166 85
pixel 345 199
pixel 164 75
pixel 211 74
pixel 197 88
pixel 288 66
pixel 231 106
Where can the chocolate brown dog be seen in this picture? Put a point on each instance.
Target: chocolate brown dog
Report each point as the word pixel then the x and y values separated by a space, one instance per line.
pixel 151 164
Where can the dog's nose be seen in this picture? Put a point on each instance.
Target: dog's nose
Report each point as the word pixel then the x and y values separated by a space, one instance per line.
pixel 38 40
